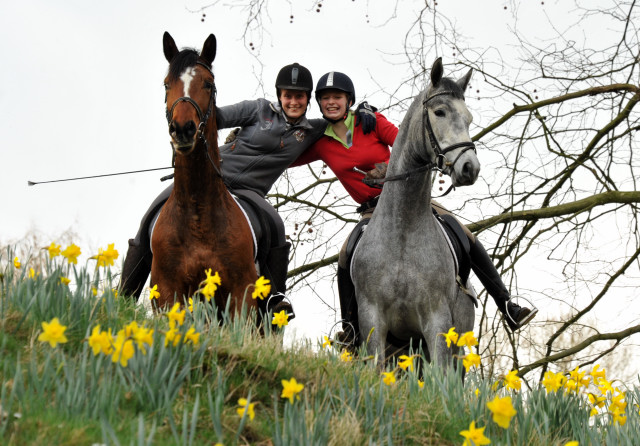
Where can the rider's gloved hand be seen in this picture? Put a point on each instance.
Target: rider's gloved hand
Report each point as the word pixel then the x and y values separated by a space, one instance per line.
pixel 377 173
pixel 366 115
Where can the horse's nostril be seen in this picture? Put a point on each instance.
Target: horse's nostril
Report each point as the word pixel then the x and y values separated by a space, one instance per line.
pixel 190 129
pixel 185 132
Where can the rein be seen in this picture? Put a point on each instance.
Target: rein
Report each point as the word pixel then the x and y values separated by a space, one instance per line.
pixel 433 141
pixel 203 119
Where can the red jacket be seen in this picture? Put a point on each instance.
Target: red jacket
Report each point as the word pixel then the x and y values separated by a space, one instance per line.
pixel 365 151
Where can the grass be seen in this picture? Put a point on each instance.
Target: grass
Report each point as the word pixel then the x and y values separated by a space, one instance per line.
pixel 179 390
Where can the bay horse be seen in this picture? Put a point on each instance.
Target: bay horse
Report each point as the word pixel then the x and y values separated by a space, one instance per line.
pixel 403 270
pixel 200 226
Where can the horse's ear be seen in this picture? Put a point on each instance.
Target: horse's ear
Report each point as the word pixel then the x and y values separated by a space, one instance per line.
pixel 436 72
pixel 169 47
pixel 209 49
pixel 464 81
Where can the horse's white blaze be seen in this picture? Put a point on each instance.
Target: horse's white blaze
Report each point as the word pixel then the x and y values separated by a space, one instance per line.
pixel 186 79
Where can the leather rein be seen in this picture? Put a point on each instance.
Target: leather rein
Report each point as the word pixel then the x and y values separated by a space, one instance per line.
pixel 439 163
pixel 200 133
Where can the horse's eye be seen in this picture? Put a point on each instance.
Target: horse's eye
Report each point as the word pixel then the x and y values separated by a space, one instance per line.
pixel 166 87
pixel 440 113
pixel 208 85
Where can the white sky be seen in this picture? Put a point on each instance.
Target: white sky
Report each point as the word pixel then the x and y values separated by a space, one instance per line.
pixel 81 93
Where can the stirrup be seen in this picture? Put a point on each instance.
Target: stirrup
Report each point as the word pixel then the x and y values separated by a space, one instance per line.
pixel 284 301
pixel 340 342
pixel 519 324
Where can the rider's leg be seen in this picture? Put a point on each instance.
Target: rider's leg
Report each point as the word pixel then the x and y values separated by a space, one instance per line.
pixel 137 263
pixel 515 315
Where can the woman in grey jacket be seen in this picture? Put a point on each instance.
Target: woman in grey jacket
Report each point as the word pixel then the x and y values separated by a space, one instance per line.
pixel 272 136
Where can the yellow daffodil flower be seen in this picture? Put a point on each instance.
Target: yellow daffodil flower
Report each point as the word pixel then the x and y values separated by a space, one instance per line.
pixel 477 393
pixel 468 340
pixel 246 408
pixel 389 377
pixel 123 349
pixel 572 443
pixel 618 416
pixel 54 250
pixel 172 336
pixel 16 262
pixel 153 292
pixel 175 315
pixel 106 257
pixel 598 374
pixel 579 377
pixel 192 336
pixel 71 253
pixel 421 384
pixel 291 389
pixel 553 381
pixel 65 280
pixel 512 381
pixel 450 336
pixel 280 319
pixel 345 356
pixel 143 337
pixel 327 342
pixel 32 273
pixel 210 284
pixel 474 436
pixel 405 362
pixel 470 360
pixel 191 305
pixel 53 333
pixel 101 341
pixel 616 401
pixel 261 289
pixel 502 411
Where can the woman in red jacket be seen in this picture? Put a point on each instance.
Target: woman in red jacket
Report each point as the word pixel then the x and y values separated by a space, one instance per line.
pixel 349 153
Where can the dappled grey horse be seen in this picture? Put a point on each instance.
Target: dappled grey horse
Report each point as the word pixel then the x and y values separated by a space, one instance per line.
pixel 403 270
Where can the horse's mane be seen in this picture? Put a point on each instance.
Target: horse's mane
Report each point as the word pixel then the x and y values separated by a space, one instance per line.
pixel 184 59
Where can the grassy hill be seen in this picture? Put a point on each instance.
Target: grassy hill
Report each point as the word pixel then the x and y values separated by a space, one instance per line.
pixel 80 365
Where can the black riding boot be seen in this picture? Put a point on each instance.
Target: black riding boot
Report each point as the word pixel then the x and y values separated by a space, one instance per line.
pixel 515 315
pixel 350 334
pixel 277 265
pixel 136 269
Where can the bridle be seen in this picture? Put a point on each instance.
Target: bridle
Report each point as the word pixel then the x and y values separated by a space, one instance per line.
pixel 439 163
pixel 200 133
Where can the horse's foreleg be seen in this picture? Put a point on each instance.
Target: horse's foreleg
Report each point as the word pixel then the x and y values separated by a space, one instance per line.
pixel 373 331
pixel 436 343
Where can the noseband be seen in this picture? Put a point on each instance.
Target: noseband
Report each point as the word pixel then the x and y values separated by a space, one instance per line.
pixel 439 164
pixel 203 119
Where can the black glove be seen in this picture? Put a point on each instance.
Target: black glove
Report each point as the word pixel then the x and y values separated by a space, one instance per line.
pixel 365 114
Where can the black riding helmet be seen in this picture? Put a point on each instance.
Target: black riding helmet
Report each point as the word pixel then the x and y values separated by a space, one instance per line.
pixel 294 77
pixel 334 80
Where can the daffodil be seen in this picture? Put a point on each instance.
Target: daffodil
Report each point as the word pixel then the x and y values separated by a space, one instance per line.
pixel 553 381
pixel 345 356
pixel 106 257
pixel 572 443
pixel 616 401
pixel 71 253
pixel 618 416
pixel 54 250
pixel 248 409
pixel 389 377
pixel 175 315
pixel 53 333
pixel 123 349
pixel 327 342
pixel 192 336
pixel 470 360
pixel 579 377
pixel 210 284
pixel 101 341
pixel 450 336
pixel 467 340
pixel 32 273
pixel 405 362
pixel 291 389
pixel 421 384
pixel 512 381
pixel 153 292
pixel 502 411
pixel 605 386
pixel 191 305
pixel 16 262
pixel 143 337
pixel 474 436
pixel 65 280
pixel 261 289
pixel 598 374
pixel 172 337
pixel 280 319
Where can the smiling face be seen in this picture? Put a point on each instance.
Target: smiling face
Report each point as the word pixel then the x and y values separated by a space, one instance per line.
pixel 333 103
pixel 294 103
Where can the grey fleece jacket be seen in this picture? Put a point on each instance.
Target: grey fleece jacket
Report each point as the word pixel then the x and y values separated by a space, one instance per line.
pixel 266 145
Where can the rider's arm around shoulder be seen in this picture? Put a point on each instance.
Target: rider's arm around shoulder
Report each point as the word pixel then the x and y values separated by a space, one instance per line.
pixel 242 114
pixel 385 130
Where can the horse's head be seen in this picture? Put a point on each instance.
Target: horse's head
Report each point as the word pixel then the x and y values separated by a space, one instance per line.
pixel 190 92
pixel 446 121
